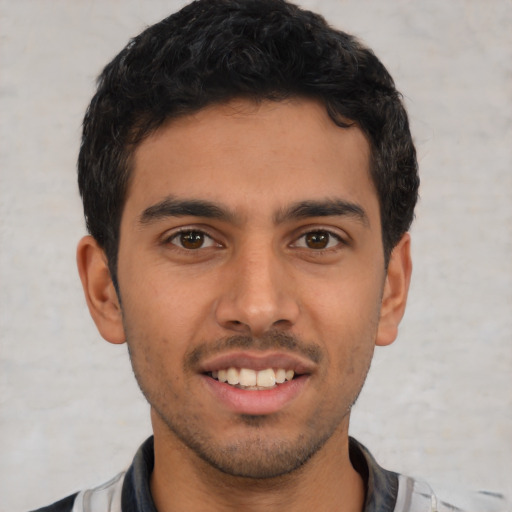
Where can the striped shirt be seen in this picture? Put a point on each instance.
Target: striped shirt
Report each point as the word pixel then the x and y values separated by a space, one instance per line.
pixel 386 491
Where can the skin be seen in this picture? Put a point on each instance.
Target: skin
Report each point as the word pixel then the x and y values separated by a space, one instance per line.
pixel 256 275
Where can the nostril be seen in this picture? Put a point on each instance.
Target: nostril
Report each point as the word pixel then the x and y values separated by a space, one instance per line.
pixel 283 324
pixel 237 326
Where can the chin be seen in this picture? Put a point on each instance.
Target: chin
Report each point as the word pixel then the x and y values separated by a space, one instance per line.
pixel 252 453
pixel 258 459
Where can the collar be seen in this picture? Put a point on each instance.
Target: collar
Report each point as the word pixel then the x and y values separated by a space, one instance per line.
pixel 381 485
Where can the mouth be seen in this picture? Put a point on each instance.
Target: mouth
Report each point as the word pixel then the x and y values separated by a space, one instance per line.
pixel 252 380
pixel 256 383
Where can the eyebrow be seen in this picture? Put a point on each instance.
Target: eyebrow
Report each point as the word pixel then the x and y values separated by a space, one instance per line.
pixel 323 208
pixel 171 207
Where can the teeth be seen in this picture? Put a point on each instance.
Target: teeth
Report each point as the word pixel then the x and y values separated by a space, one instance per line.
pixel 247 378
pixel 233 376
pixel 266 378
pixel 281 376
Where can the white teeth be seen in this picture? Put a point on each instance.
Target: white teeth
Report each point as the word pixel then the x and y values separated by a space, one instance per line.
pixel 266 378
pixel 280 375
pixel 233 376
pixel 248 378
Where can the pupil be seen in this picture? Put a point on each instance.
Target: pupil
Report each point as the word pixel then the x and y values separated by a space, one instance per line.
pixel 318 240
pixel 192 239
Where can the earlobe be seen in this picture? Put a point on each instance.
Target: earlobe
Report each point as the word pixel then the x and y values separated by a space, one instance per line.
pixel 99 290
pixel 396 288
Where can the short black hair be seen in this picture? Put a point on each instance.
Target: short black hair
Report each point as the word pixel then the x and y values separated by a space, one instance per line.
pixel 212 51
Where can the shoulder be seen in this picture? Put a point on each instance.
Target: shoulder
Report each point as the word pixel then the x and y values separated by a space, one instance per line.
pixel 417 496
pixel 387 491
pixel 64 505
pixel 129 488
pixel 104 498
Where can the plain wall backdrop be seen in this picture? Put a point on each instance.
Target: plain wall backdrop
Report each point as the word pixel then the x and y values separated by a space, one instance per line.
pixel 437 404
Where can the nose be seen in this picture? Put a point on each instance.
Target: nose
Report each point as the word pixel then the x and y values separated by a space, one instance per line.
pixel 257 294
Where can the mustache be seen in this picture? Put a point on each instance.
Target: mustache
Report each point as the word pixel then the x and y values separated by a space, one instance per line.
pixel 272 340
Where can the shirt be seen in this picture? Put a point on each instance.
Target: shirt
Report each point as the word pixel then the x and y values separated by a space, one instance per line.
pixel 386 491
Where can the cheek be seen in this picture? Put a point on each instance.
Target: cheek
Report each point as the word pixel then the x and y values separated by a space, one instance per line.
pixel 162 320
pixel 345 319
pixel 156 363
pixel 345 307
pixel 160 305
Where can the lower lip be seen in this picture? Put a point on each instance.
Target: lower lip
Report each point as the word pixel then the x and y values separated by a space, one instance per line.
pixel 256 402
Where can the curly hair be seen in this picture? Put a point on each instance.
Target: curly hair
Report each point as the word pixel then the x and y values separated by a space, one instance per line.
pixel 212 51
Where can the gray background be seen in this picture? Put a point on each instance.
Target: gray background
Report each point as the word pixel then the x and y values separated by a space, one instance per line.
pixel 437 403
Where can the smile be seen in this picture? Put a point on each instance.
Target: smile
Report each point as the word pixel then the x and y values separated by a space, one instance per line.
pixel 254 382
pixel 249 379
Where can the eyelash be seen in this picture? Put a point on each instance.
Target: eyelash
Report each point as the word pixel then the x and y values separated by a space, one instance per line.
pixel 319 231
pixel 295 244
pixel 172 239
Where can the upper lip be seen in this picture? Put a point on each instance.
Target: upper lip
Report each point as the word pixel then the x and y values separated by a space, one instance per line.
pixel 257 361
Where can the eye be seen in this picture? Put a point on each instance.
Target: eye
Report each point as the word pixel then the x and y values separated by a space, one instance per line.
pixel 318 240
pixel 192 240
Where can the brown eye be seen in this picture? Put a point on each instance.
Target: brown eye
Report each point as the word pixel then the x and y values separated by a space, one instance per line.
pixel 318 240
pixel 192 240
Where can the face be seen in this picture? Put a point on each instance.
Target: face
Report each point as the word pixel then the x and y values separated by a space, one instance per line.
pixel 250 251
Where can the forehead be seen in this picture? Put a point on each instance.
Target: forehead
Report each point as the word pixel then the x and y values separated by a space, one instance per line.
pixel 251 156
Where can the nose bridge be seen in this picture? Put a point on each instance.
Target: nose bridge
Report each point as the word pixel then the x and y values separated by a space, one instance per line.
pixel 257 296
pixel 258 287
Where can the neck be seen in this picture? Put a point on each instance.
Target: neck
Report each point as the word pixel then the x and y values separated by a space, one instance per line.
pixel 182 481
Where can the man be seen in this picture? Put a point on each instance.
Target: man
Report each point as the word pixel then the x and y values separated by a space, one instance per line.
pixel 248 179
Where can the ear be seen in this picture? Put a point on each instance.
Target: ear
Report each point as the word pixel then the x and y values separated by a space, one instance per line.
pixel 396 288
pixel 100 293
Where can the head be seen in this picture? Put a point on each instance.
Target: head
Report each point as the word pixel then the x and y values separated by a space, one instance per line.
pixel 216 50
pixel 248 177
